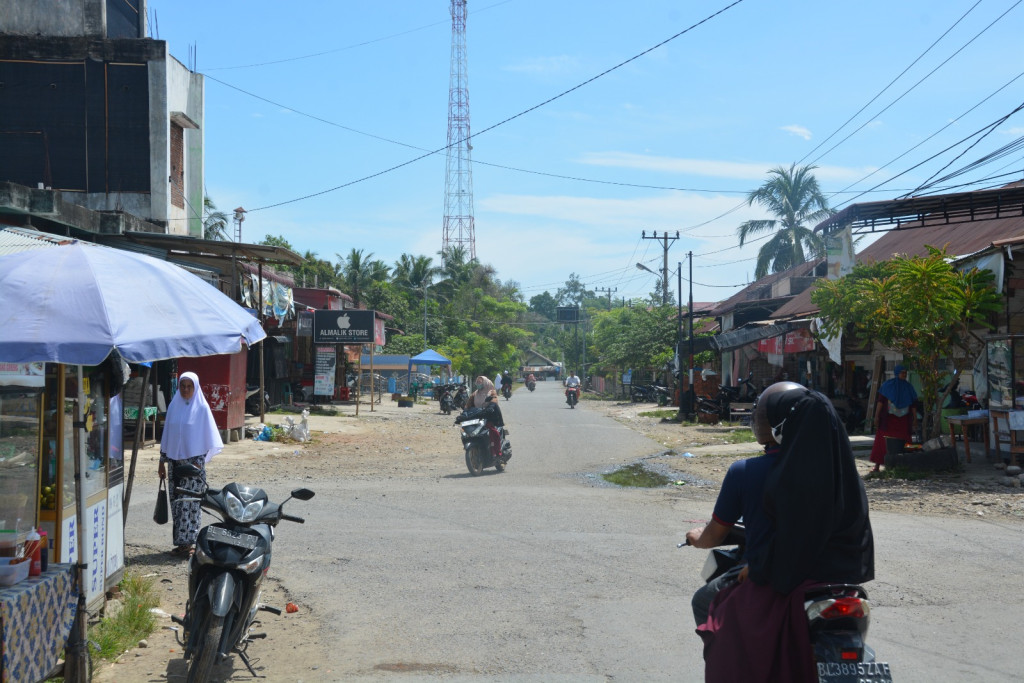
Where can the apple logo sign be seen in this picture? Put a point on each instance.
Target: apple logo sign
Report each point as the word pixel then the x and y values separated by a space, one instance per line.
pixel 343 322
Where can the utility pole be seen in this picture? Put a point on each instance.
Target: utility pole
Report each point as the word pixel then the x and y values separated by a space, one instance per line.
pixel 664 238
pixel 609 292
pixel 689 370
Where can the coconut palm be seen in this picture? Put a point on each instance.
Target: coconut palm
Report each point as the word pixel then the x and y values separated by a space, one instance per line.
pixel 359 272
pixel 414 272
pixel 794 197
pixel 215 223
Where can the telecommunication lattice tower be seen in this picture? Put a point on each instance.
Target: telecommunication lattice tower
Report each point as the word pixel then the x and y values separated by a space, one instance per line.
pixel 458 177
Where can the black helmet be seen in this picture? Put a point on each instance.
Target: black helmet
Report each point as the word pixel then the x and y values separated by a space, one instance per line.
pixel 767 424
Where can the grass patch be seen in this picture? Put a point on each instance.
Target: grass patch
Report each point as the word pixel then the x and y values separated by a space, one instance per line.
pixel 123 631
pixel 636 475
pixel 905 474
pixel 742 435
pixel 661 414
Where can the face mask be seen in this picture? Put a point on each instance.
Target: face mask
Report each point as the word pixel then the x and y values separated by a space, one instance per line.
pixel 478 385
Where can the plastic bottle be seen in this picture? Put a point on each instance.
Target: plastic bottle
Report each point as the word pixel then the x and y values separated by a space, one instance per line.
pixel 44 550
pixel 33 538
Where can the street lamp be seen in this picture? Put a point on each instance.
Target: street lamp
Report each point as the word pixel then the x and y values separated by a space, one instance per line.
pixel 664 284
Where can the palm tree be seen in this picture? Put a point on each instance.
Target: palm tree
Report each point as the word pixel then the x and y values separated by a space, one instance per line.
pixel 359 272
pixel 215 223
pixel 794 197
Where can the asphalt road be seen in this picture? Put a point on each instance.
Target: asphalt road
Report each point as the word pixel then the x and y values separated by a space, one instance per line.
pixel 542 573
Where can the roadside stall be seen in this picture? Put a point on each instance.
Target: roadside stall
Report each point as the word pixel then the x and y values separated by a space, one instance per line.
pixel 83 311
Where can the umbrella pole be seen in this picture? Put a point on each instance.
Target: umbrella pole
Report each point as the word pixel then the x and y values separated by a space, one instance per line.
pixel 139 426
pixel 76 665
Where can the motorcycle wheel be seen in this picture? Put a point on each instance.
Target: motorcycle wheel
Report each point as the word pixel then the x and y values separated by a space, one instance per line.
pixel 499 465
pixel 475 459
pixel 208 641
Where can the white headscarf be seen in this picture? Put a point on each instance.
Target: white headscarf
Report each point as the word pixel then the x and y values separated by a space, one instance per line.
pixel 189 428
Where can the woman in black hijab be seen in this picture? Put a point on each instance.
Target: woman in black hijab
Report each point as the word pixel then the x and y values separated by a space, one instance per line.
pixel 816 498
pixel 756 631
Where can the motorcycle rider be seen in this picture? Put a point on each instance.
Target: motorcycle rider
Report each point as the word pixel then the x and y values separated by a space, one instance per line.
pixel 741 497
pixel 571 382
pixel 506 383
pixel 817 531
pixel 486 396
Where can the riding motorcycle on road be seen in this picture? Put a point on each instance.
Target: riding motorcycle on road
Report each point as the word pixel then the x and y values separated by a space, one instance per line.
pixel 506 390
pixel 225 573
pixel 445 398
pixel 461 394
pixel 837 617
pixel 572 396
pixel 484 438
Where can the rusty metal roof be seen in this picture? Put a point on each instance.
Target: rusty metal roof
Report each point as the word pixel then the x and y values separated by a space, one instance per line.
pixel 750 293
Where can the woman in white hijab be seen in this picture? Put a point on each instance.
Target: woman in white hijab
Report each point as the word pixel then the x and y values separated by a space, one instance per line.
pixel 483 388
pixel 190 437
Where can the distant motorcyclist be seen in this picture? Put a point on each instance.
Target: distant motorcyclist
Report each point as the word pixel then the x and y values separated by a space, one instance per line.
pixel 506 384
pixel 572 385
pixel 572 380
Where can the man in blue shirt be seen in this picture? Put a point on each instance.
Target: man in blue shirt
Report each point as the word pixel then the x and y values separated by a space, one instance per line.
pixel 742 499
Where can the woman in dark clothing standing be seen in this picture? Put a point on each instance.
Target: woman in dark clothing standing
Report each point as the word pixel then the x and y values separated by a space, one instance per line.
pixel 190 437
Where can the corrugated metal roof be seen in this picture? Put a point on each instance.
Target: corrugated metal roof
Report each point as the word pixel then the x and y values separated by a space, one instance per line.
pixel 746 294
pixel 15 240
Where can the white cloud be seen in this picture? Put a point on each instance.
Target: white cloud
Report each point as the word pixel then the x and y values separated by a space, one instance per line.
pixel 798 131
pixel 714 168
pixel 562 64
pixel 1016 131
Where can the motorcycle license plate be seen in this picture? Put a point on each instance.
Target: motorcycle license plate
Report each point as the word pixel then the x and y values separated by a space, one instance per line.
pixel 239 540
pixel 470 423
pixel 854 672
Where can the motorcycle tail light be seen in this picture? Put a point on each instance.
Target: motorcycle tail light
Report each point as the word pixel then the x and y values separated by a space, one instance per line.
pixel 850 655
pixel 839 608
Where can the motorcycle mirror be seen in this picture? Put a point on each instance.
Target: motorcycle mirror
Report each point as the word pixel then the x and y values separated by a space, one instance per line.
pixel 303 494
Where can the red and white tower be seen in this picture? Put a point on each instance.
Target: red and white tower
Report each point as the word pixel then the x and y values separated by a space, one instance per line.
pixel 458 177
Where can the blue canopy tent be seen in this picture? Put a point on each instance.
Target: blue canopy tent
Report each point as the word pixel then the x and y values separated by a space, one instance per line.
pixel 428 357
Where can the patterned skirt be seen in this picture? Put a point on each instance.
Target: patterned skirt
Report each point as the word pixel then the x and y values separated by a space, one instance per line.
pixel 186 514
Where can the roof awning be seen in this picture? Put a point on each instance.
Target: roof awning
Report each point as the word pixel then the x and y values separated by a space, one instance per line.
pixel 734 339
pixel 183 245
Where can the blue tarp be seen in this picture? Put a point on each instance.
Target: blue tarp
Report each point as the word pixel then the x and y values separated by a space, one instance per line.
pixel 428 357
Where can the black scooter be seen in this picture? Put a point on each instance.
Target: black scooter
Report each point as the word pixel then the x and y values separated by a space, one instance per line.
pixel 484 438
pixel 838 616
pixel 447 403
pixel 225 573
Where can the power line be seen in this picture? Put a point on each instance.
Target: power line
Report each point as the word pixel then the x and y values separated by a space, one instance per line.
pixel 349 47
pixel 510 118
pixel 880 92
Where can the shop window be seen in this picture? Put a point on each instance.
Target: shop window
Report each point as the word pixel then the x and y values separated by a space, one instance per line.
pixel 19 455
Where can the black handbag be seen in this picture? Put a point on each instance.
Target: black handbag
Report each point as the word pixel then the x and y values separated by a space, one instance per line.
pixel 161 514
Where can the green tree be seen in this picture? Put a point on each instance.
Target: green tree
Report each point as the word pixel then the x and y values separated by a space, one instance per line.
pixel 544 305
pixel 920 306
pixel 573 293
pixel 215 223
pixel 359 271
pixel 792 195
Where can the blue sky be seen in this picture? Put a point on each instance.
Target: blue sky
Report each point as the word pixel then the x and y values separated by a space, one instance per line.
pixel 298 103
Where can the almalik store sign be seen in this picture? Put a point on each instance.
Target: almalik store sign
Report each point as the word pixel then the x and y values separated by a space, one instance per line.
pixel 343 327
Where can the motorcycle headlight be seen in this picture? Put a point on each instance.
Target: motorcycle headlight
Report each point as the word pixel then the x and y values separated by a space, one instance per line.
pixel 239 511
pixel 252 565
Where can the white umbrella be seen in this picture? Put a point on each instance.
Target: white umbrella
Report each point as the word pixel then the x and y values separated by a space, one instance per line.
pixel 74 304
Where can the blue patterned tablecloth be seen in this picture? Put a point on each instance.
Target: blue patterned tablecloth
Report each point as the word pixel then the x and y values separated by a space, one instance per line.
pixel 35 619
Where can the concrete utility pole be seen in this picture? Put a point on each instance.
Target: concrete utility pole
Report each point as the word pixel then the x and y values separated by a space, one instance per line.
pixel 609 292
pixel 664 238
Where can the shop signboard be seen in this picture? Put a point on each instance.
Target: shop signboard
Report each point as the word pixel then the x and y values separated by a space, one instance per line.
pixel 304 324
pixel 323 370
pixel 344 327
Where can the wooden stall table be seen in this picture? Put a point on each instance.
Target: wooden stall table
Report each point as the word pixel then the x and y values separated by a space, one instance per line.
pixel 36 615
pixel 1014 421
pixel 964 422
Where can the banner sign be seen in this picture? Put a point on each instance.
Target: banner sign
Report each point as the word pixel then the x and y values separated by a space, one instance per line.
pixel 323 371
pixel 797 341
pixel 343 327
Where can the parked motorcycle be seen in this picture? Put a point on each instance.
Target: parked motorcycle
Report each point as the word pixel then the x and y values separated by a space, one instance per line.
pixel 838 616
pixel 572 396
pixel 484 438
pixel 252 400
pixel 460 397
pixel 225 573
